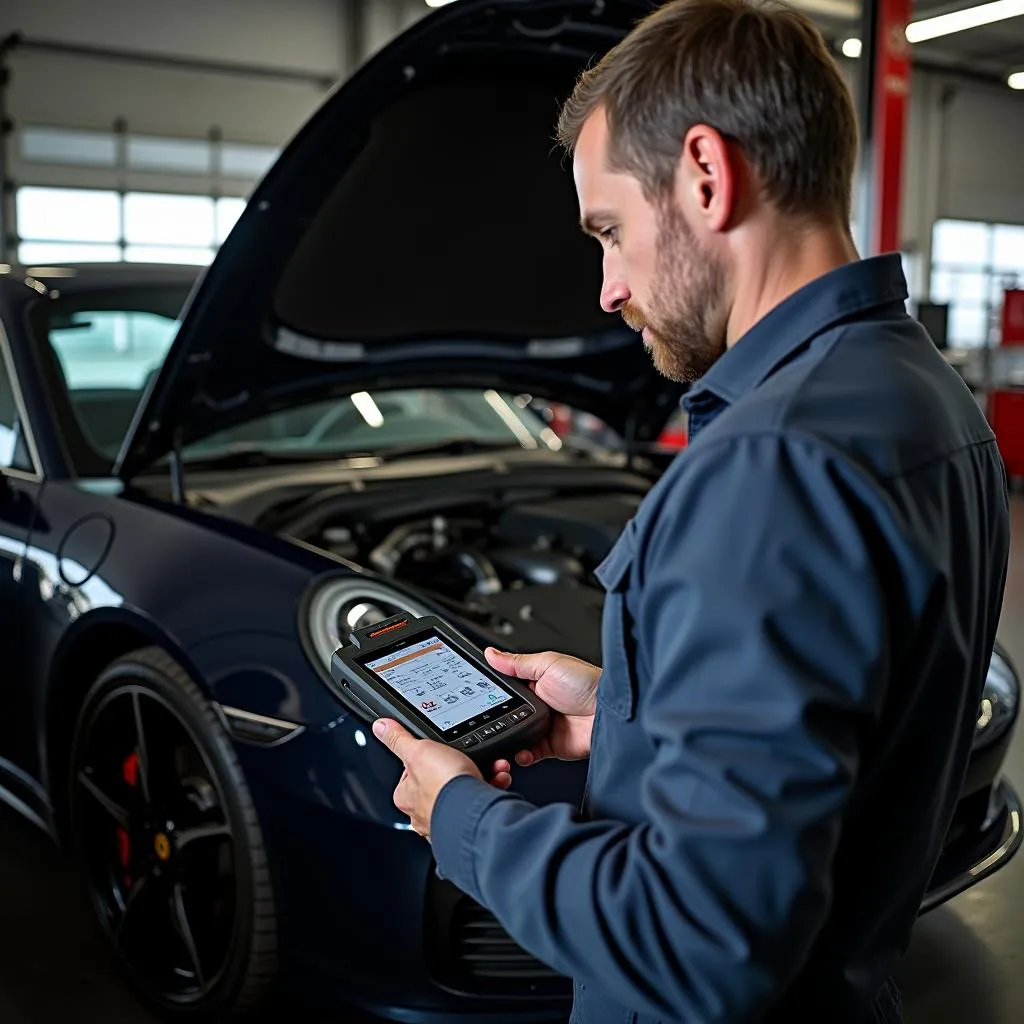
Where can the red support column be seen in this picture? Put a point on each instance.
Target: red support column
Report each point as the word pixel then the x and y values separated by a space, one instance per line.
pixel 891 95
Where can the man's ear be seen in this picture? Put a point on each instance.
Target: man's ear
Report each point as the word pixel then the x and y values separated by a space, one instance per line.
pixel 706 179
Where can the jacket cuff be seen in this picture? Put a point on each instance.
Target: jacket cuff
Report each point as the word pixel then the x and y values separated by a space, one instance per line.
pixel 459 807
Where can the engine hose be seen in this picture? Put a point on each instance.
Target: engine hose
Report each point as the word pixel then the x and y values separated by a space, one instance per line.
pixel 388 554
pixel 485 577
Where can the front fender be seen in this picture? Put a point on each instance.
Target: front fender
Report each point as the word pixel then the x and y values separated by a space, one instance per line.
pixel 266 673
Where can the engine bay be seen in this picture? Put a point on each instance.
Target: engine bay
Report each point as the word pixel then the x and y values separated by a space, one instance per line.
pixel 522 572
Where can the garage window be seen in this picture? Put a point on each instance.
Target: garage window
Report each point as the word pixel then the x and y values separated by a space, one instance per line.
pixel 66 225
pixel 180 199
pixel 68 146
pixel 169 228
pixel 973 262
pixel 68 215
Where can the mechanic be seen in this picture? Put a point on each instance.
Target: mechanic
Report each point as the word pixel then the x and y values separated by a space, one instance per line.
pixel 800 616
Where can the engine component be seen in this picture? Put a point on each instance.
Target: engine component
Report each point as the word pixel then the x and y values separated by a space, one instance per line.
pixel 388 554
pixel 461 572
pixel 521 572
pixel 561 617
pixel 472 567
pixel 586 525
pixel 341 541
pixel 537 565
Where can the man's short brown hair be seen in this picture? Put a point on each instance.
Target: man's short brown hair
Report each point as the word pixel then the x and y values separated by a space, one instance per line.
pixel 758 73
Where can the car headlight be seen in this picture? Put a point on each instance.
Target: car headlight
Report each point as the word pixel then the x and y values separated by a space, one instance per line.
pixel 337 606
pixel 999 701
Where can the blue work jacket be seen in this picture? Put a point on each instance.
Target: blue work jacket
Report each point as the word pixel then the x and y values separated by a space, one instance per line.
pixel 797 628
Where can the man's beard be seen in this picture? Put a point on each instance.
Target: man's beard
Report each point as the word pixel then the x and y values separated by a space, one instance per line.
pixel 685 319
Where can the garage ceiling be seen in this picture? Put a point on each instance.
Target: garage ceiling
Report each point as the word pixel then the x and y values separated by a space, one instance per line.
pixel 993 50
pixel 997 48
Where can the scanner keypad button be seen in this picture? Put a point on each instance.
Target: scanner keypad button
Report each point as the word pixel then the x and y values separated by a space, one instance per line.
pixel 467 741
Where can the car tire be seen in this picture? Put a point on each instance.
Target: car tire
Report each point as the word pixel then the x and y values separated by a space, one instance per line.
pixel 167 836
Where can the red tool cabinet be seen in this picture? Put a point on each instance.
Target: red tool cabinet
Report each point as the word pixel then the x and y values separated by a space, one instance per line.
pixel 1005 405
pixel 1006 414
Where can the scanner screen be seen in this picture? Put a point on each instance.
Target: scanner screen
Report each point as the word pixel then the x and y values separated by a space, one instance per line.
pixel 438 681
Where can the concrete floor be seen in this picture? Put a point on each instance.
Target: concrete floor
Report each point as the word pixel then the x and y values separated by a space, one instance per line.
pixel 966 961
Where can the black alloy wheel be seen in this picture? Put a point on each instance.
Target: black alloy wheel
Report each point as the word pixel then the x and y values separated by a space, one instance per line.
pixel 166 832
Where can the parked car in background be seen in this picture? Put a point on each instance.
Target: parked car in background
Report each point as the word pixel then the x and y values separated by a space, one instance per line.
pixel 205 483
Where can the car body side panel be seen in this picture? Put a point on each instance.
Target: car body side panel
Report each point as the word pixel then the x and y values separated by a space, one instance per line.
pixel 99 561
pixel 18 776
pixel 354 918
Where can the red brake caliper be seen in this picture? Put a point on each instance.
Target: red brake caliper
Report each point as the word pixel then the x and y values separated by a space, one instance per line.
pixel 130 774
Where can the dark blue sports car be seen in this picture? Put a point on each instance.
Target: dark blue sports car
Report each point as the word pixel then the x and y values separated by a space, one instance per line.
pixel 205 483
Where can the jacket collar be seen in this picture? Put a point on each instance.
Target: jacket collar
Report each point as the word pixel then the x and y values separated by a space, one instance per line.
pixel 841 294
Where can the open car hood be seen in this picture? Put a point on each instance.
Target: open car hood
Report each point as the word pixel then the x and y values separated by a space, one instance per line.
pixel 421 228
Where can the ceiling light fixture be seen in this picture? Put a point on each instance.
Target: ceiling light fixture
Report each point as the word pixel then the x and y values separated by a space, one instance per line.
pixel 948 24
pixel 959 21
pixel 1016 80
pixel 437 3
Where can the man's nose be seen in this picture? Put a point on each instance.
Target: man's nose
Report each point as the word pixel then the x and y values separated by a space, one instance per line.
pixel 614 294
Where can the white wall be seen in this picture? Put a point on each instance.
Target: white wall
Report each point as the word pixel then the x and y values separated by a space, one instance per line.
pixel 298 34
pixel 963 159
pixel 982 155
pixel 301 35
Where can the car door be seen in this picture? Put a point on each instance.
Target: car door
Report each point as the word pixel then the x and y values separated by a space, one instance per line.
pixel 20 489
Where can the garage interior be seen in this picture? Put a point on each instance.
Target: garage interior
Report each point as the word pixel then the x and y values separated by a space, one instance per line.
pixel 137 131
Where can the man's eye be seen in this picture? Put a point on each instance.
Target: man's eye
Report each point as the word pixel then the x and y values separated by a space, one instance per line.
pixel 610 235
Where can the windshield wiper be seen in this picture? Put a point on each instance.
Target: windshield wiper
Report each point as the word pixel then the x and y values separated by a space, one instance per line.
pixel 254 458
pixel 456 446
pixel 246 457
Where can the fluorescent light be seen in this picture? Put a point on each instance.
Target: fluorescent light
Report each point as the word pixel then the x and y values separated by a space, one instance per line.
pixel 958 21
pixel 1016 80
pixel 51 271
pixel 437 3
pixel 367 407
pixel 514 423
pixel 551 439
pixel 947 24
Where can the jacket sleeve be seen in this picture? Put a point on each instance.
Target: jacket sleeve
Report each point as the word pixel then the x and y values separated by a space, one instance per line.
pixel 761 619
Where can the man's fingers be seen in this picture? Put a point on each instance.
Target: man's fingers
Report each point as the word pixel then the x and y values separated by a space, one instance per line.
pixel 501 774
pixel 403 798
pixel 521 666
pixel 394 736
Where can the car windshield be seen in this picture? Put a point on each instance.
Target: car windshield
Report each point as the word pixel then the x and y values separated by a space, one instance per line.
pixel 105 358
pixel 379 422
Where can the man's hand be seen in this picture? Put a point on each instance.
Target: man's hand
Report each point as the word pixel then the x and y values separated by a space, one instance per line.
pixel 429 766
pixel 569 687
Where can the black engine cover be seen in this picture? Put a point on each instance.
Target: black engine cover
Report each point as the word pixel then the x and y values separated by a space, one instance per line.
pixel 562 617
pixel 585 525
